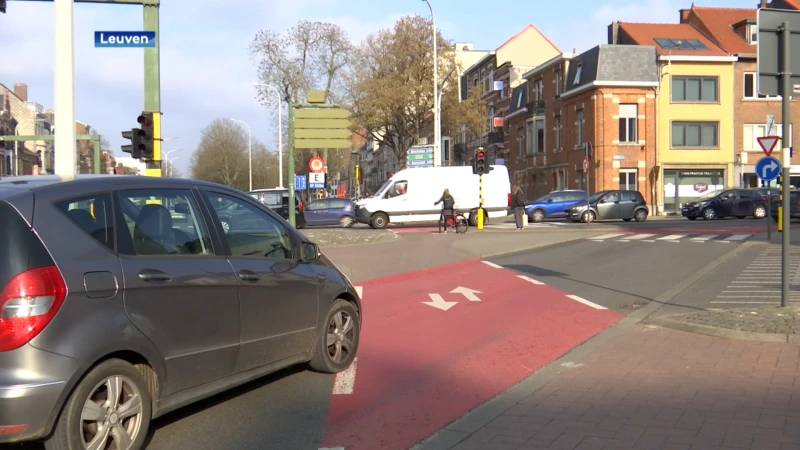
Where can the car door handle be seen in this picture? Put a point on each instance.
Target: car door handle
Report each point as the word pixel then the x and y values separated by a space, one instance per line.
pixel 154 275
pixel 320 277
pixel 248 275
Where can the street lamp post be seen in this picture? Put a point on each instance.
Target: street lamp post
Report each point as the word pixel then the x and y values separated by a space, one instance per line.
pixel 169 161
pixel 280 133
pixel 437 157
pixel 249 151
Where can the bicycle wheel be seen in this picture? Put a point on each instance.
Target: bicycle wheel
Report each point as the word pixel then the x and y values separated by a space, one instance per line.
pixel 462 225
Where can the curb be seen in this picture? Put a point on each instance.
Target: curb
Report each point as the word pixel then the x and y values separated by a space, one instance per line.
pixel 723 332
pixel 463 427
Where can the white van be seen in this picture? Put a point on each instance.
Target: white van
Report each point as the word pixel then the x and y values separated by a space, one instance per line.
pixel 409 195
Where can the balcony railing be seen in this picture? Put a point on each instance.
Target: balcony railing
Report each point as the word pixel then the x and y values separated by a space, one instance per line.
pixel 536 108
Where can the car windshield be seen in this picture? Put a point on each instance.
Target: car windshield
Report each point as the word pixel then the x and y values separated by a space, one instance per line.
pixel 382 188
pixel 542 199
pixel 707 196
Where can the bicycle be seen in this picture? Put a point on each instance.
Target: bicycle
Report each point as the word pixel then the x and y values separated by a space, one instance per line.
pixel 455 220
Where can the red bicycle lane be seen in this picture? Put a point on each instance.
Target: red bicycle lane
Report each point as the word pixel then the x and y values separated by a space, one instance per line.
pixel 439 342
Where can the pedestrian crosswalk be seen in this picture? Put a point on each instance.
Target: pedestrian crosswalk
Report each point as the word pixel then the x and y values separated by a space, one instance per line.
pixel 672 238
pixel 760 282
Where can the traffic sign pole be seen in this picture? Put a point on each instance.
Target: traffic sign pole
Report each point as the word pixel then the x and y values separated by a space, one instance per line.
pixel 786 82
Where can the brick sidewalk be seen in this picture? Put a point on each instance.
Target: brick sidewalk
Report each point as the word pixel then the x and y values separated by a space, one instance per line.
pixel 657 388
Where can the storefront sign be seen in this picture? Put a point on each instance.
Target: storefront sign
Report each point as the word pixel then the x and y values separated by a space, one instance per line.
pixel 701 173
pixel 700 187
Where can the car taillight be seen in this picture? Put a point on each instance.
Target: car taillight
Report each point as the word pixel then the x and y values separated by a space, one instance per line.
pixel 27 304
pixel 509 200
pixel 301 205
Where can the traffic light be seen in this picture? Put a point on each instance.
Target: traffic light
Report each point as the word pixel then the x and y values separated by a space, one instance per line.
pixel 479 166
pixel 136 147
pixel 148 137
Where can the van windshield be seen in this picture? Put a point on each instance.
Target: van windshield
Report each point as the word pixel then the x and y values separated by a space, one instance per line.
pixel 382 188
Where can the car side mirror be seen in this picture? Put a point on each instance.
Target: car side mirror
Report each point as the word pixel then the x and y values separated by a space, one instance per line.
pixel 182 208
pixel 602 200
pixel 549 200
pixel 310 252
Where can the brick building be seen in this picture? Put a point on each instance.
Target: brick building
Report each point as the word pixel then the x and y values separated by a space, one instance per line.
pixel 735 31
pixel 603 98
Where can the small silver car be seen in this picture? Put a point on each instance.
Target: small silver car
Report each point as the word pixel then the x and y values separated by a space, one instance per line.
pixel 114 312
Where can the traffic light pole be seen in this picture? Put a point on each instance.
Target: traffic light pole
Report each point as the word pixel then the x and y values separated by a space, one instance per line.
pixel 152 82
pixel 786 142
pixel 480 201
pixel 290 165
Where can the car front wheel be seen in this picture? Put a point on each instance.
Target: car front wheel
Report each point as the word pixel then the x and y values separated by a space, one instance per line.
pixel 760 212
pixel 337 342
pixel 109 409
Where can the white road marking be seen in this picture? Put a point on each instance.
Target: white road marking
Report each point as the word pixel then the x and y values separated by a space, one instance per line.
pixel 745 303
pixel 491 264
pixel 345 381
pixel 648 240
pixel 704 237
pixel 331 448
pixel 606 236
pixel 738 237
pixel 359 291
pixel 638 236
pixel 529 280
pixel 586 302
pixel 671 237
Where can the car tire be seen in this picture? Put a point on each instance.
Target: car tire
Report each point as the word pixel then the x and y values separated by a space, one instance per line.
pixel 346 222
pixel 709 214
pixel 692 218
pixel 379 220
pixel 588 216
pixel 626 220
pixel 341 329
pixel 759 212
pixel 640 215
pixel 70 429
pixel 537 216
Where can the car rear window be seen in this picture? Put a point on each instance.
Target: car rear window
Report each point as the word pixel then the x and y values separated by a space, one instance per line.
pixel 20 248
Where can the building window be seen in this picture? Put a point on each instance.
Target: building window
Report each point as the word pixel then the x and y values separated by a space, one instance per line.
pixel 628 123
pixel 530 141
pixel 558 82
pixel 578 71
pixel 560 181
pixel 538 90
pixel 752 34
pixel 520 142
pixel 695 89
pixel 579 128
pixel 579 179
pixel 695 134
pixel 540 136
pixel 629 179
pixel 754 131
pixel 751 87
pixel 558 133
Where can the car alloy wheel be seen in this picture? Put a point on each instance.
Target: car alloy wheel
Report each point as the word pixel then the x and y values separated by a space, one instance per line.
pixel 760 212
pixel 338 338
pixel 346 222
pixel 537 216
pixel 588 216
pixel 709 214
pixel 640 216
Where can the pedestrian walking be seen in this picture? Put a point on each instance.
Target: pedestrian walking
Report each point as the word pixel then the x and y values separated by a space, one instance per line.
pixel 518 205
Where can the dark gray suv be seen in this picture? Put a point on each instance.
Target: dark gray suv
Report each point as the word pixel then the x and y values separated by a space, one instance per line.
pixel 124 298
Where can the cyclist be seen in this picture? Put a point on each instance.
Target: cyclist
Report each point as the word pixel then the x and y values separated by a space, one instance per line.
pixel 448 203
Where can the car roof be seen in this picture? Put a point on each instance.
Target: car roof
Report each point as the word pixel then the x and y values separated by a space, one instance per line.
pixel 269 190
pixel 36 182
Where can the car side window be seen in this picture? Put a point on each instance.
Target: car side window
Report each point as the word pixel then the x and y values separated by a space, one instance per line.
pixel 745 195
pixel 397 189
pixel 93 214
pixel 317 205
pixel 627 196
pixel 163 222
pixel 558 198
pixel 611 197
pixel 577 196
pixel 251 231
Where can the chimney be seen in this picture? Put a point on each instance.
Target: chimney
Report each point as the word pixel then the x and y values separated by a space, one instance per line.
pixel 763 4
pixel 613 31
pixel 21 91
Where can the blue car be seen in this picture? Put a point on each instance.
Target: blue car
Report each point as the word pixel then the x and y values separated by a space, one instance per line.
pixel 330 211
pixel 553 204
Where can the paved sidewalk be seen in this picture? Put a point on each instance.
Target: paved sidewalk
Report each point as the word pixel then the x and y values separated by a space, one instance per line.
pixel 658 388
pixel 765 324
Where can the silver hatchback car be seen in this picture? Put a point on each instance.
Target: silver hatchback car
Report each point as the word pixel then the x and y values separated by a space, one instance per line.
pixel 124 298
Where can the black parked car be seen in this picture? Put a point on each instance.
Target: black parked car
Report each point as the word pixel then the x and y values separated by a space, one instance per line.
pixel 277 199
pixel 607 205
pixel 112 314
pixel 738 203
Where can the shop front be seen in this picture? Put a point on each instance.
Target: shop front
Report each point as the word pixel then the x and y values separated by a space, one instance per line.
pixel 681 186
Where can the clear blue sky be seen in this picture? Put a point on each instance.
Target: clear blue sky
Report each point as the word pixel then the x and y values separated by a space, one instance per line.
pixel 206 71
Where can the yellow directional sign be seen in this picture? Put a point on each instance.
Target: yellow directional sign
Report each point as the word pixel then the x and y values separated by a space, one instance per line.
pixel 322 143
pixel 324 124
pixel 335 133
pixel 326 113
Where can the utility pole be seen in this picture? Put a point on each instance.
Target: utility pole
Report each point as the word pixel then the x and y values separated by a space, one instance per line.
pixel 65 145
pixel 152 79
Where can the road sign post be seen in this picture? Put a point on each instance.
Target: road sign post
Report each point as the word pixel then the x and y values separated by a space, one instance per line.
pixel 778 34
pixel 768 169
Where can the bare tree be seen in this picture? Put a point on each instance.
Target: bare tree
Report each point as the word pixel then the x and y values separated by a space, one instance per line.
pixel 311 55
pixel 221 155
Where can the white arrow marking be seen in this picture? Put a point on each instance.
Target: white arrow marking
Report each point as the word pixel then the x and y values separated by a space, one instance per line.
pixel 438 302
pixel 529 280
pixel 765 171
pixel 467 292
pixel 345 381
pixel 360 291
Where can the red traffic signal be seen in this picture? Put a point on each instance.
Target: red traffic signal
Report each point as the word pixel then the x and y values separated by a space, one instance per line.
pixel 143 120
pixel 480 154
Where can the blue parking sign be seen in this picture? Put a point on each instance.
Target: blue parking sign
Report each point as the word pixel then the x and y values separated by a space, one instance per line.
pixel 299 182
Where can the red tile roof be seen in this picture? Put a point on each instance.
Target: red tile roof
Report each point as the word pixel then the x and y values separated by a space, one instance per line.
pixel 647 33
pixel 718 24
pixel 793 3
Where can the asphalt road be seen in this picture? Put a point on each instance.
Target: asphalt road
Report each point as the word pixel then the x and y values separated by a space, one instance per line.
pixel 289 410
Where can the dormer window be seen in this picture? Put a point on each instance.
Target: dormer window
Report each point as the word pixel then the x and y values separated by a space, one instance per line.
pixel 752 34
pixel 578 73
